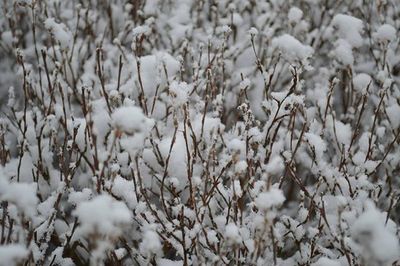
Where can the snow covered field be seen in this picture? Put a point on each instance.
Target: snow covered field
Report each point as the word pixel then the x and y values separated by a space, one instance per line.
pixel 207 132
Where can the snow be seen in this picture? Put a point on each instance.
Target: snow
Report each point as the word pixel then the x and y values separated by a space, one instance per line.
pixel 120 253
pixel 60 32
pixel 150 7
pixel 275 166
pixel 174 182
pixel 232 233
pixel 237 188
pixel 292 48
pixel 253 31
pixel 343 133
pixel 379 243
pixel 393 112
pixel 210 127
pixel 125 189
pixel 370 166
pixel 12 254
pixel 212 236
pixel 349 28
pixel 139 30
pixel 152 72
pixel 216 132
pixel 236 145
pixel 102 214
pixel 295 14
pixel 361 82
pixel 7 38
pixel 226 29
pixel 23 195
pixel 130 120
pixel 385 32
pixel 58 258
pixel 11 97
pixel 343 52
pixel 272 198
pixel 237 19
pixel 244 84
pixel 167 262
pixel 326 262
pixel 150 244
pixel 317 143
pixel 180 92
pixel 76 197
pixel 240 166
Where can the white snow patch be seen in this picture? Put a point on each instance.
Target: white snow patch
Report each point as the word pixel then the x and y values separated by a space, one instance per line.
pixel 60 32
pixel 130 119
pixel 361 82
pixel 292 48
pixel 393 113
pixel 343 52
pixel 378 242
pixel 385 32
pixel 103 214
pixel 12 254
pixel 326 262
pixel 295 14
pixel 151 244
pixel 232 233
pixel 271 198
pixel 349 28
pixel 125 189
pixel 23 195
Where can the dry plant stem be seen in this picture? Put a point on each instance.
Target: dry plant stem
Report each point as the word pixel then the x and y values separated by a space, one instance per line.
pixel 101 77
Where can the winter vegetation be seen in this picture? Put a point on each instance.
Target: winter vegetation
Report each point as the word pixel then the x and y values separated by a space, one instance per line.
pixel 207 132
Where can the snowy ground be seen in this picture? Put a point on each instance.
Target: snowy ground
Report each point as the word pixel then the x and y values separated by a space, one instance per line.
pixel 232 132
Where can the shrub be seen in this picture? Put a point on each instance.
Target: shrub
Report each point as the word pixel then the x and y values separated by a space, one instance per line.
pixel 232 132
